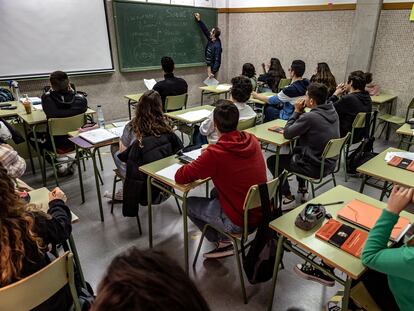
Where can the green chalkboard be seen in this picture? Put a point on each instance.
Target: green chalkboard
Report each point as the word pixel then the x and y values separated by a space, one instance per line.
pixel 145 32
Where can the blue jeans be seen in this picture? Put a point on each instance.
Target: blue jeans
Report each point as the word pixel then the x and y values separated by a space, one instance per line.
pixel 198 138
pixel 271 113
pixel 204 211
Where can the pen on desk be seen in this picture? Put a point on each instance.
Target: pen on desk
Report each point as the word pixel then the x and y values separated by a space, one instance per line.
pixel 333 203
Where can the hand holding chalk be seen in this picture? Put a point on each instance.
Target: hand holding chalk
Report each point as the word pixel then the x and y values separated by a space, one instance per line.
pixel 197 16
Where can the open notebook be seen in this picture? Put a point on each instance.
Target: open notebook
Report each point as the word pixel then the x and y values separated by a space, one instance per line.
pixel 365 215
pixel 97 136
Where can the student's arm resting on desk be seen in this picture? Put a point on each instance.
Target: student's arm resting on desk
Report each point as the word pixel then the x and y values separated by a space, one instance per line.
pixel 201 168
pixel 296 125
pixel 392 261
pixel 11 161
pixel 207 126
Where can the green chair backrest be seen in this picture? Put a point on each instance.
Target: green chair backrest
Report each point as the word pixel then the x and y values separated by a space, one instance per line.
pixel 176 102
pixel 283 83
pixel 244 124
pixel 33 290
pixel 61 126
pixel 252 199
pixel 253 80
pixel 334 147
pixel 409 108
pixel 359 123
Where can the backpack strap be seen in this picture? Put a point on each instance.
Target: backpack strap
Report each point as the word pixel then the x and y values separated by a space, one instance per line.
pixel 265 205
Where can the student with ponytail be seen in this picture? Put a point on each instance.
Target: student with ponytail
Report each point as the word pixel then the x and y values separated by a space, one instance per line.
pixel 25 237
pixel 355 101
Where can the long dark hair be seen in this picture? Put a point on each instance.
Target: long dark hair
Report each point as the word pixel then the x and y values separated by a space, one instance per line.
pixel 149 119
pixel 147 280
pixel 276 71
pixel 324 75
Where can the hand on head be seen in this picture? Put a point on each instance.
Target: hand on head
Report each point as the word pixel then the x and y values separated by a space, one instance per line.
pixel 400 198
pixel 340 89
pixel 57 194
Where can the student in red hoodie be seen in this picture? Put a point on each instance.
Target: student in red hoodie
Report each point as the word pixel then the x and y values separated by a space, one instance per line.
pixel 234 163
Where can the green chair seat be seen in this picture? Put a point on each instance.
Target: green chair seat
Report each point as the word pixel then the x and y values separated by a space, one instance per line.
pixel 391 119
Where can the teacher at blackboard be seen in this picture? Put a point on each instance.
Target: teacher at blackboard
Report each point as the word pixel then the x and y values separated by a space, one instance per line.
pixel 213 48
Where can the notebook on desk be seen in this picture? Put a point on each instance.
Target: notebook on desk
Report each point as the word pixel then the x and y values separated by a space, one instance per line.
pixel 97 136
pixel 404 163
pixel 277 129
pixel 365 216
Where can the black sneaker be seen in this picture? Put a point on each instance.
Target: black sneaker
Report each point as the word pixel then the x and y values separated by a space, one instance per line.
pixel 308 272
pixel 220 252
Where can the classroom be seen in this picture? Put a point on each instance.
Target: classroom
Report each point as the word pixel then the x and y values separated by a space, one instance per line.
pixel 207 155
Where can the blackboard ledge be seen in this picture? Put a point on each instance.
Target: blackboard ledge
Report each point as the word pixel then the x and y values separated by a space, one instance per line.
pixel 134 69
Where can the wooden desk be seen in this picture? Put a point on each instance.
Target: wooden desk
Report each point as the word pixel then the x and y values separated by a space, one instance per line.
pixel 92 149
pixel 14 112
pixel 378 168
pixel 303 242
pixel 164 183
pixel 213 90
pixel 263 134
pixel 40 197
pixel 132 100
pixel 407 135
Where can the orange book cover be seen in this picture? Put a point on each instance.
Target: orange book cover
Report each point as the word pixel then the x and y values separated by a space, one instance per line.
pixel 410 167
pixel 395 161
pixel 365 215
pixel 345 237
pixel 276 129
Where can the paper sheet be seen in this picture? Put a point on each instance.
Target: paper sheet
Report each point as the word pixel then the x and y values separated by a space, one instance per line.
pixel 120 123
pixel 118 131
pixel 223 87
pixel 169 172
pixel 194 154
pixel 33 100
pixel 210 81
pixel 97 136
pixel 149 83
pixel 406 155
pixel 196 115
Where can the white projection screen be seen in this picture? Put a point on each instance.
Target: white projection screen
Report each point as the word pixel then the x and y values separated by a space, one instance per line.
pixel 41 36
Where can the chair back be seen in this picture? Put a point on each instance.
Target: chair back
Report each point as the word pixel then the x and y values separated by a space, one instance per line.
pixel 410 107
pixel 283 83
pixel 176 102
pixel 244 124
pixel 360 123
pixel 61 126
pixel 252 199
pixel 334 147
pixel 33 290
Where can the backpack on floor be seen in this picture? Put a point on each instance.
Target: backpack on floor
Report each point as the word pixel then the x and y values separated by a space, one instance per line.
pixel 5 95
pixel 258 263
pixel 363 153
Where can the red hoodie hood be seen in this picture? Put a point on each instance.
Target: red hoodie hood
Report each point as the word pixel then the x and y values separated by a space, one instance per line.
pixel 240 144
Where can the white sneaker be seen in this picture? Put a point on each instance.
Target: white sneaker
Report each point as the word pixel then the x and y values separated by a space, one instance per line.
pixel 303 195
pixel 119 195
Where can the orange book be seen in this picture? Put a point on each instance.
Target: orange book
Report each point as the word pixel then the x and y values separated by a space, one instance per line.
pixel 276 129
pixel 345 237
pixel 403 163
pixel 365 215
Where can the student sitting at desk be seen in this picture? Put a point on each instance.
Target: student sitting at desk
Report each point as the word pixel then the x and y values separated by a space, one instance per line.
pixel 171 85
pixel 9 158
pixel 281 106
pixel 61 101
pixel 271 76
pixel 146 281
pixel 249 71
pixel 147 138
pixel 324 75
pixel 234 164
pixel 240 93
pixel 313 131
pixel 356 100
pixel 25 237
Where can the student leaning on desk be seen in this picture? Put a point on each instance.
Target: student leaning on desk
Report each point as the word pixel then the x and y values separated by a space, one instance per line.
pixel 25 237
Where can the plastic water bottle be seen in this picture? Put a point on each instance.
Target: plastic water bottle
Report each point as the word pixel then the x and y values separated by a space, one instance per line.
pixel 16 90
pixel 101 120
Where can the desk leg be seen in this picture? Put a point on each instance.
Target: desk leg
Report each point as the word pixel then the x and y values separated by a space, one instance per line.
pixel 384 190
pixel 185 229
pixel 202 97
pixel 390 109
pixel 39 156
pixel 77 261
pixel 364 179
pixel 129 108
pixel 29 148
pixel 347 290
pixel 149 193
pixel 278 260
pixel 277 161
pixel 80 173
pixel 98 187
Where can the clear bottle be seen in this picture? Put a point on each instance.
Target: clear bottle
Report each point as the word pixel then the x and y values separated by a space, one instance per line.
pixel 101 120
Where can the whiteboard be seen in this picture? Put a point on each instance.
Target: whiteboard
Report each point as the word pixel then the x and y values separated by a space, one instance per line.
pixel 40 36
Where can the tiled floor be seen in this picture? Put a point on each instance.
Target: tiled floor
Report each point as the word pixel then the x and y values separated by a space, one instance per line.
pixel 98 242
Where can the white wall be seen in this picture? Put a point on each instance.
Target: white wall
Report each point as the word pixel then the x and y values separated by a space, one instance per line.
pixel 272 3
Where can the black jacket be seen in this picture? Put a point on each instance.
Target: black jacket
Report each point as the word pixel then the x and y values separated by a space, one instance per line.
pixel 271 79
pixel 62 105
pixel 135 185
pixel 53 231
pixel 213 49
pixel 347 107
pixel 314 129
pixel 170 86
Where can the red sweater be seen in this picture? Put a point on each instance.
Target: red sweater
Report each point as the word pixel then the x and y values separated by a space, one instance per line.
pixel 234 164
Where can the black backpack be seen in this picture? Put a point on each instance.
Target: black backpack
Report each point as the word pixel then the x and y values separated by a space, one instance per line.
pixel 259 262
pixel 5 95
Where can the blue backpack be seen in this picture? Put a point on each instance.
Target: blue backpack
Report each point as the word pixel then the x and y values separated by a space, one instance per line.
pixel 5 95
